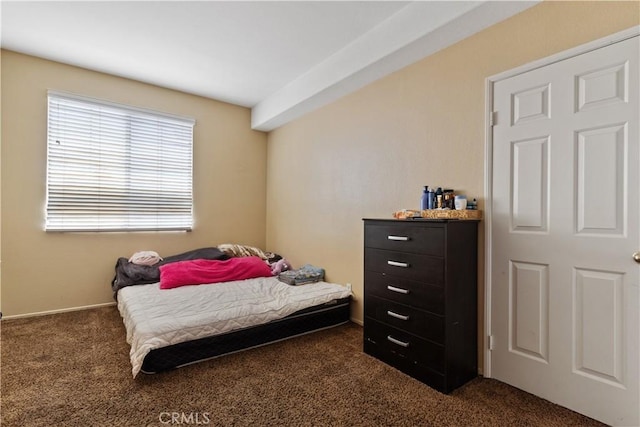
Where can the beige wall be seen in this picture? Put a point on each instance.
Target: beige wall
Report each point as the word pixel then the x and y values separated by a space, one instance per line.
pixel 50 271
pixel 371 152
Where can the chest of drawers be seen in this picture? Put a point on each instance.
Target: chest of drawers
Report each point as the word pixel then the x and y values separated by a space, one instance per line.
pixel 420 298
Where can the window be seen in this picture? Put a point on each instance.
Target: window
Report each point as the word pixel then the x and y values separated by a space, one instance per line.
pixel 112 168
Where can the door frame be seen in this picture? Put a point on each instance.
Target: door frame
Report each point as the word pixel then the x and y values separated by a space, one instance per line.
pixel 488 161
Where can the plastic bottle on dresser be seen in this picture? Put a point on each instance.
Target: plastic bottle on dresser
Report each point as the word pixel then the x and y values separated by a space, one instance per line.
pixel 424 200
pixel 431 199
pixel 438 204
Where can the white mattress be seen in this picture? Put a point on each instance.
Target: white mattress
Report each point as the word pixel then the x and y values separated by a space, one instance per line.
pixel 155 317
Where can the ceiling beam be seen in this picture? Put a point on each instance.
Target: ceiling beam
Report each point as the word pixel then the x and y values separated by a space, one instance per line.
pixel 415 32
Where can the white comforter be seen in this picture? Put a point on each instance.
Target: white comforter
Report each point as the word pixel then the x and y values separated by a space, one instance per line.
pixel 156 317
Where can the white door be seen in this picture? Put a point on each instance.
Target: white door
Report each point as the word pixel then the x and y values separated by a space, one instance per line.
pixel 564 284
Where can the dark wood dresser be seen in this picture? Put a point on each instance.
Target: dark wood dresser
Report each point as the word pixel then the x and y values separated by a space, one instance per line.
pixel 420 298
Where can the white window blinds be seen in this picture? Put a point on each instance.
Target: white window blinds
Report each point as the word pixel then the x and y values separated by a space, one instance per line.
pixel 114 168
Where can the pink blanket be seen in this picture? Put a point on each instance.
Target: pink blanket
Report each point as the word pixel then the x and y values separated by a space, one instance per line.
pixel 200 271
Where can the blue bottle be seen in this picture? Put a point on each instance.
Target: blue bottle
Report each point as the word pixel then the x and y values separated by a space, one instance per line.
pixel 424 200
pixel 431 199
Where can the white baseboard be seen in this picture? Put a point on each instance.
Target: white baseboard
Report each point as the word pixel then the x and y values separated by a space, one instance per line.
pixel 62 310
pixel 357 322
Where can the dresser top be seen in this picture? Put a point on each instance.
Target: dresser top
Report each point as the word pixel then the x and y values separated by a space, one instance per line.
pixel 419 220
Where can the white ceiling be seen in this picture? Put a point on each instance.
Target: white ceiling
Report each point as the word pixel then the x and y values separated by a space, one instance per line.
pixel 282 59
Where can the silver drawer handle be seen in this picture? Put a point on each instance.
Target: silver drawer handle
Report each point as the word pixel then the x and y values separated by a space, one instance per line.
pixel 397 316
pixel 398 290
pixel 395 341
pixel 398 238
pixel 398 264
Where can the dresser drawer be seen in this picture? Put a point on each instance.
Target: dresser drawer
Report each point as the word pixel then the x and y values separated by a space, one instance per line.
pixel 418 371
pixel 405 265
pixel 404 291
pixel 416 238
pixel 403 346
pixel 407 318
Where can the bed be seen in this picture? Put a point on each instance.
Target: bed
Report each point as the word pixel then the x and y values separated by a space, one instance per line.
pixel 172 327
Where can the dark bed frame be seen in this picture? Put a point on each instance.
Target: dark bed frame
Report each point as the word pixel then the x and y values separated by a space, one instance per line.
pixel 302 322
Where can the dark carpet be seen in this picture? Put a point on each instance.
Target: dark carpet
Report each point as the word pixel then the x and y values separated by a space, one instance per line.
pixel 73 369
